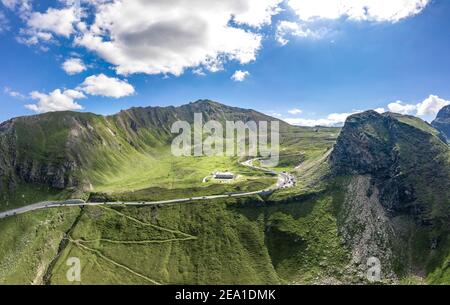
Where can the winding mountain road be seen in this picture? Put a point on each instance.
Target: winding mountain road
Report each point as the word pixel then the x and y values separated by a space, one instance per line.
pixel 285 180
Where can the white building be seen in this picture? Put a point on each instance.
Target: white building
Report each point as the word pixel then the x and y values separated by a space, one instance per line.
pixel 224 175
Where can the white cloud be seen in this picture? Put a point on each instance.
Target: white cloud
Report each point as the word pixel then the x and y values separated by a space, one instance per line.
pixel 256 13
pixel 74 66
pixel 23 7
pixel 13 93
pixel 295 111
pixel 43 26
pixel 3 22
pixel 240 76
pixel 102 85
pixel 31 37
pixel 275 114
pixel 402 108
pixel 370 10
pixel 198 72
pixel 167 37
pixel 99 85
pixel 55 101
pixel 57 21
pixel 10 3
pixel 332 120
pixel 295 29
pixel 431 105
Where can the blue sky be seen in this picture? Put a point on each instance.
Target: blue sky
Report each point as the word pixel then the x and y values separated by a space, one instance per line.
pixel 305 63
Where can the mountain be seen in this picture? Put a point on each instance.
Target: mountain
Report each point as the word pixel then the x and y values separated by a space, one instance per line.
pixel 62 149
pixel 377 188
pixel 397 193
pixel 127 156
pixel 442 121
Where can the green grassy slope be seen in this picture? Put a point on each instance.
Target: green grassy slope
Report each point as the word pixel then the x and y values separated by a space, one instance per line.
pixel 28 244
pixel 227 242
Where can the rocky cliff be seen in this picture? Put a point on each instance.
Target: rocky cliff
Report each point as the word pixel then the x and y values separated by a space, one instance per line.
pixel 397 173
pixel 442 122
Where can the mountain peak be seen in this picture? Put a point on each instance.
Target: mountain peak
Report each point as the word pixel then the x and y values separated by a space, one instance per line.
pixel 205 102
pixel 442 121
pixel 444 113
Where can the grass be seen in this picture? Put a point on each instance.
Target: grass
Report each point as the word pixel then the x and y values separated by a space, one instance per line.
pixel 28 194
pixel 164 171
pixel 157 174
pixel 29 242
pixel 303 241
pixel 197 243
pixel 234 241
pixel 441 275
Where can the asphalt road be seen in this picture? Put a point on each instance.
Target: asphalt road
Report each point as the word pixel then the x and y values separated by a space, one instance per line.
pixel 285 180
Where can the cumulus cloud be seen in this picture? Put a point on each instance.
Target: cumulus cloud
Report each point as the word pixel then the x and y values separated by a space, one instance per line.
pixel 256 13
pixel 13 93
pixel 23 7
pixel 274 114
pixel 370 10
pixel 102 85
pixel 58 100
pixel 286 29
pixel 240 76
pixel 57 21
pixel 167 37
pixel 431 105
pixel 74 66
pixel 55 101
pixel 41 27
pixel 428 107
pixel 31 37
pixel 295 111
pixel 332 120
pixel 402 108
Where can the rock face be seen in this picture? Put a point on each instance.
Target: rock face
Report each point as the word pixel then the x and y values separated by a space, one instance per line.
pixel 398 176
pixel 366 227
pixel 442 122
pixel 18 162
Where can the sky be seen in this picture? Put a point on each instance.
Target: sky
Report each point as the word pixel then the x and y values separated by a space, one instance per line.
pixel 309 62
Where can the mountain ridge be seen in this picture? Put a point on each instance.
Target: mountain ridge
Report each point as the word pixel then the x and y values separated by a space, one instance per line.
pixel 442 122
pixel 58 148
